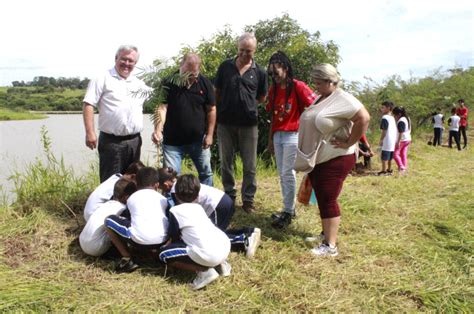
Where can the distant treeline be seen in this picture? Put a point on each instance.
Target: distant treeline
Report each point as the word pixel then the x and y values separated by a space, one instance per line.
pixel 62 82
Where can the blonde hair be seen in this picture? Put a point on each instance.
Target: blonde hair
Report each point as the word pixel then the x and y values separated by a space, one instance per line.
pixel 326 72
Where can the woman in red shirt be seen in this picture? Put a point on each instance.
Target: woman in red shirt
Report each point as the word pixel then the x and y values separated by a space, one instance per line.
pixel 287 99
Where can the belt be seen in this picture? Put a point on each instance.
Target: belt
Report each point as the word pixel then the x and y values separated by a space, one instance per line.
pixel 120 137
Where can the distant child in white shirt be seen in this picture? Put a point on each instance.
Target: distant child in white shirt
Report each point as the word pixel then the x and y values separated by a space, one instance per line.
pixel 147 228
pixel 438 121
pixel 196 243
pixel 104 191
pixel 453 123
pixel 388 137
pixel 94 240
pixel 219 207
pixel 400 154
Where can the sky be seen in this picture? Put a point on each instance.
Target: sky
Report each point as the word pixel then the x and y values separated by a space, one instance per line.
pixel 376 39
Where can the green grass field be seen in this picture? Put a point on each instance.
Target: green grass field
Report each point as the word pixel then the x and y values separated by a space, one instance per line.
pixel 7 114
pixel 406 245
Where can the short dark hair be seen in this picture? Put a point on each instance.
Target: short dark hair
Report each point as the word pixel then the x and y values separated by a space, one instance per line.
pixel 166 174
pixel 461 101
pixel 187 188
pixel 388 104
pixel 147 177
pixel 124 187
pixel 134 167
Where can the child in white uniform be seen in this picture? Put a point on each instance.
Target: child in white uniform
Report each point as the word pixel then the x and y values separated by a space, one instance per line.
pixel 94 240
pixel 196 243
pixel 104 191
pixel 388 137
pixel 453 123
pixel 219 207
pixel 147 228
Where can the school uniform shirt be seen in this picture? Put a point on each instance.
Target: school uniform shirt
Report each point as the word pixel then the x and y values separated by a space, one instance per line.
pixel 438 121
pixel 149 224
pixel 454 123
pixel 388 124
pixel 119 102
pixel 206 244
pixel 100 195
pixel 93 239
pixel 209 197
pixel 404 129
pixel 286 113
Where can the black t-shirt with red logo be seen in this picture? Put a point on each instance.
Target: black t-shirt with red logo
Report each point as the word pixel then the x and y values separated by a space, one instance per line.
pixel 186 116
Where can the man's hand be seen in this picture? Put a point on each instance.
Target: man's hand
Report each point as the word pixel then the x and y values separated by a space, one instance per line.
pixel 91 140
pixel 207 141
pixel 157 137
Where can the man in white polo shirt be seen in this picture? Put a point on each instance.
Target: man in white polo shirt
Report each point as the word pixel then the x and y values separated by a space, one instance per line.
pixel 119 98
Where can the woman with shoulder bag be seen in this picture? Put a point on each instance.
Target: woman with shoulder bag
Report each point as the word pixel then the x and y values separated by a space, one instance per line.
pixel 328 134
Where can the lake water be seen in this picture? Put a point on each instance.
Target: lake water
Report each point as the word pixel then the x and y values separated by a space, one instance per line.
pixel 20 144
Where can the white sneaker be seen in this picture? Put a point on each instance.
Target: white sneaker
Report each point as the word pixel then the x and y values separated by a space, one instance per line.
pixel 325 250
pixel 253 242
pixel 204 278
pixel 318 238
pixel 224 269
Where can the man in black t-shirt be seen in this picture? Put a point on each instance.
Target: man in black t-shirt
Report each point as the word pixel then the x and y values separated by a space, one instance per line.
pixel 187 121
pixel 240 86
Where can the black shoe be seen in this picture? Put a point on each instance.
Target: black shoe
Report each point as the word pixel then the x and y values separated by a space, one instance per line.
pixel 126 265
pixel 283 221
pixel 248 207
pixel 276 216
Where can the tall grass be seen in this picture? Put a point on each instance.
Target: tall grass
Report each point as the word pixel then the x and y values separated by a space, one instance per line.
pixel 406 245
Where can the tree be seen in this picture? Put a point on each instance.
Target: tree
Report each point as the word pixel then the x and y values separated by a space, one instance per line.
pixel 281 33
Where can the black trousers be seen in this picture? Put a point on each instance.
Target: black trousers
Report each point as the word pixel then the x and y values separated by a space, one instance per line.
pixel 462 131
pixel 455 135
pixel 116 153
pixel 438 132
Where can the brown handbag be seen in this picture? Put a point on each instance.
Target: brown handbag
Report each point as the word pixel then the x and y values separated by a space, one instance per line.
pixel 304 191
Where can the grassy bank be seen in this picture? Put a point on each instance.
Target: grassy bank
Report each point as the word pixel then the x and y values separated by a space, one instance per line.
pixel 406 244
pixel 7 114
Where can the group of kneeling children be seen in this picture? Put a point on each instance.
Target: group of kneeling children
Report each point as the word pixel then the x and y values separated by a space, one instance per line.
pixel 184 226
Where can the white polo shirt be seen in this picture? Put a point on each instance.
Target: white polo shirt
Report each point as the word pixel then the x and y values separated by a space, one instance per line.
pixel 206 244
pixel 209 197
pixel 94 240
pixel 454 123
pixel 149 224
pixel 119 102
pixel 100 195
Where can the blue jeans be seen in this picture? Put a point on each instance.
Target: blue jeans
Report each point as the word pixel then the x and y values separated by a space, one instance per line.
pixel 285 144
pixel 173 156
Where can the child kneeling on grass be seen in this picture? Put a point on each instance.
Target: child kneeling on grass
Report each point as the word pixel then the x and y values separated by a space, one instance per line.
pixel 104 191
pixel 219 207
pixel 196 243
pixel 146 230
pixel 94 240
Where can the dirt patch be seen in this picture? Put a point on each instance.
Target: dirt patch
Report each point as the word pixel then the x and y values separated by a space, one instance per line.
pixel 18 251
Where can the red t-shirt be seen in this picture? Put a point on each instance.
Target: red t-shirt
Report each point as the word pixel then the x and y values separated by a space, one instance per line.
pixel 462 112
pixel 286 117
